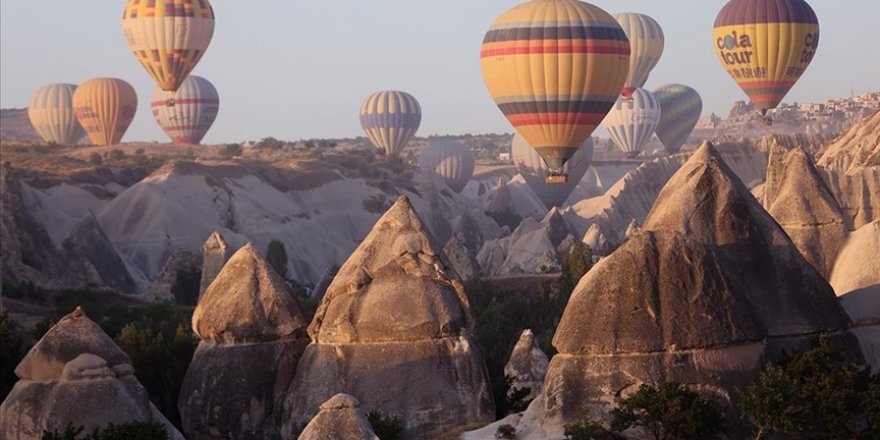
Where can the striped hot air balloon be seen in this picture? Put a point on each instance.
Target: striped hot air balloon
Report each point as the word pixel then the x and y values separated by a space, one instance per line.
pixel 632 121
pixel 646 43
pixel 390 119
pixel 533 169
pixel 168 37
pixel 451 161
pixel 555 68
pixel 187 114
pixel 765 46
pixel 681 109
pixel 51 113
pixel 105 108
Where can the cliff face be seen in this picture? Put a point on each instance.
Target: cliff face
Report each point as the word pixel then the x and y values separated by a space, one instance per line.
pixel 857 148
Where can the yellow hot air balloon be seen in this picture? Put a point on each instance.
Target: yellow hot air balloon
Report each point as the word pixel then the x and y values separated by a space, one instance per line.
pixel 168 37
pixel 51 113
pixel 105 108
pixel 555 69
pixel 765 46
pixel 646 43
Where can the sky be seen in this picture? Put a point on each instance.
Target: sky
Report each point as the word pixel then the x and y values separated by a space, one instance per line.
pixel 298 69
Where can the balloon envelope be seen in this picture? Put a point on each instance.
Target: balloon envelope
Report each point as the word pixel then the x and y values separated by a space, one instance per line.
pixel 681 109
pixel 632 121
pixel 168 37
pixel 646 43
pixel 105 108
pixel 51 113
pixel 451 161
pixel 533 168
pixel 187 114
pixel 555 68
pixel 765 46
pixel 390 119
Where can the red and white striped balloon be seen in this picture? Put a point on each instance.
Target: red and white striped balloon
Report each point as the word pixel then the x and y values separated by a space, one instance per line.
pixel 186 115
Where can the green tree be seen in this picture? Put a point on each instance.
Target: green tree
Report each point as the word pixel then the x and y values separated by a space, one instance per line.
pixel 230 150
pixel 276 255
pixel 816 394
pixel 186 286
pixel 11 353
pixel 588 430
pixel 116 154
pixel 386 428
pixel 668 411
pixel 96 159
pixel 270 143
pixel 575 265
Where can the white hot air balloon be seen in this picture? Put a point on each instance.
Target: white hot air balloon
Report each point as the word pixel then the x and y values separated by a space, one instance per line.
pixel 187 114
pixel 632 121
pixel 52 115
pixel 534 170
pixel 450 161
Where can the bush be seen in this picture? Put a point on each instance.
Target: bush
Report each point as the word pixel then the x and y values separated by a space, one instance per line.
pixel 230 151
pixel 386 428
pixel 814 394
pixel 575 265
pixel 186 286
pixel 116 154
pixel 96 159
pixel 505 431
pixel 127 431
pixel 668 411
pixel 12 350
pixel 270 143
pixel 276 255
pixel 587 430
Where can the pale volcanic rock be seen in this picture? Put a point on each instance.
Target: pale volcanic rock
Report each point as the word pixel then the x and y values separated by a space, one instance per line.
pixel 75 375
pixel 394 330
pixel 857 148
pixel 597 241
pixel 527 365
pixel 252 336
pixel 857 193
pixel 695 297
pixel 803 205
pixel 340 418
pixel 534 247
pixel 89 240
pixel 215 253
pixel 632 229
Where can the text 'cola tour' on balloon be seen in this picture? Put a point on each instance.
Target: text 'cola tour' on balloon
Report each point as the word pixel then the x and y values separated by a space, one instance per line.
pixel 555 69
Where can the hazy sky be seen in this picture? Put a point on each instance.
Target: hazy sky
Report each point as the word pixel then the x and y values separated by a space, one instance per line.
pixel 299 69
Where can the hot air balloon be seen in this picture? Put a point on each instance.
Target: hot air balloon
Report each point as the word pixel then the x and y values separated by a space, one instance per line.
pixel 186 115
pixel 646 43
pixel 168 37
pixel 450 161
pixel 51 113
pixel 632 121
pixel 555 68
pixel 765 46
pixel 105 108
pixel 390 119
pixel 681 108
pixel 533 168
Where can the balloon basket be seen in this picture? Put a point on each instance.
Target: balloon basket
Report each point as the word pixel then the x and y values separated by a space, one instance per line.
pixel 562 178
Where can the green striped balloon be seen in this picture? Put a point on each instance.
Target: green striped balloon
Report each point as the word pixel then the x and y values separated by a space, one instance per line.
pixel 681 108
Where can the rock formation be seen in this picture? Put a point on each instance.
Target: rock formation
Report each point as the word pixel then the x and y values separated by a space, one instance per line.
pixel 75 375
pixel 180 261
pixel 89 241
pixel 803 205
pixel 252 335
pixel 857 193
pixel 394 330
pixel 857 148
pixel 321 286
pixel 340 418
pixel 597 241
pixel 213 259
pixel 534 247
pixel 693 298
pixel 28 253
pixel 527 365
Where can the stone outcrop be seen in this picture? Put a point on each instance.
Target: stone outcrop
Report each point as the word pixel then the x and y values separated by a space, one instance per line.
pixel 534 247
pixel 214 257
pixel 340 418
pixel 321 286
pixel 857 193
pixel 597 241
pixel 89 241
pixel 180 261
pixel 805 208
pixel 394 330
pixel 252 335
pixel 857 148
pixel 695 297
pixel 527 365
pixel 75 375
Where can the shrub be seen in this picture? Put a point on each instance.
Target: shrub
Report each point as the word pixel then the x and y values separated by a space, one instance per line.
pixel 668 411
pixel 116 154
pixel 386 428
pixel 587 430
pixel 96 159
pixel 126 431
pixel 270 143
pixel 186 286
pixel 814 392
pixel 11 353
pixel 505 431
pixel 231 150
